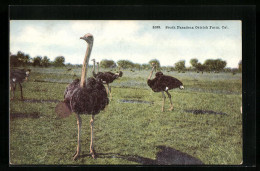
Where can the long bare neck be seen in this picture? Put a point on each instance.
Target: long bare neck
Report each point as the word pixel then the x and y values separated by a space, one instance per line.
pixel 97 67
pixel 85 65
pixel 94 67
pixel 151 73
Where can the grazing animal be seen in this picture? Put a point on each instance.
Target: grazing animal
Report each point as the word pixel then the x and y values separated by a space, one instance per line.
pixel 85 97
pixel 163 83
pixel 18 76
pixel 106 77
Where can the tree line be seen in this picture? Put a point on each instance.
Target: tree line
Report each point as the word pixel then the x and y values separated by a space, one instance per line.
pixel 210 65
pixel 22 59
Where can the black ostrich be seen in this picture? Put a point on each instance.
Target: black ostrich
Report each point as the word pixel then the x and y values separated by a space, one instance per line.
pixel 163 83
pixel 84 97
pixel 106 77
pixel 18 76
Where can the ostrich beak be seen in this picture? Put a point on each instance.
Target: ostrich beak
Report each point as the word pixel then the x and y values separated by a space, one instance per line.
pixel 81 38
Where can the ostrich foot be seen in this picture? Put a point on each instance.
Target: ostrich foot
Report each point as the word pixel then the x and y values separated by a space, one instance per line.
pixel 92 152
pixel 171 108
pixel 162 109
pixel 76 156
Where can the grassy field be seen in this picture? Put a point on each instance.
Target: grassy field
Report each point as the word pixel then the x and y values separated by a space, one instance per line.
pixel 204 127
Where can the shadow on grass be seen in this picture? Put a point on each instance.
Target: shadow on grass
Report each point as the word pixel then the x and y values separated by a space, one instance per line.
pixel 41 101
pixel 165 156
pixel 34 115
pixel 204 112
pixel 134 101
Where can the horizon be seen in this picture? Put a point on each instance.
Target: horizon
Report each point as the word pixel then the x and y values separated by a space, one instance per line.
pixel 137 41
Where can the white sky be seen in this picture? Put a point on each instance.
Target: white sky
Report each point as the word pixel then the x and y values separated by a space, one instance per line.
pixel 134 40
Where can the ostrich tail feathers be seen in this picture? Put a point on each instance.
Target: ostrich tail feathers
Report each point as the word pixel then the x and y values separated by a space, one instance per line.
pixel 63 110
pixel 120 74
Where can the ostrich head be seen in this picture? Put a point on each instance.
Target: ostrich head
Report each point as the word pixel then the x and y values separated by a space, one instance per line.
pixel 120 74
pixel 88 38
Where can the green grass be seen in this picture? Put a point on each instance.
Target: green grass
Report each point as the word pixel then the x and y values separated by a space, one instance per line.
pixel 130 129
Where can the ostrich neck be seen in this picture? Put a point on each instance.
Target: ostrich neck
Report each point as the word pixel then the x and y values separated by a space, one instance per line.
pixel 151 74
pixel 94 67
pixel 97 67
pixel 85 65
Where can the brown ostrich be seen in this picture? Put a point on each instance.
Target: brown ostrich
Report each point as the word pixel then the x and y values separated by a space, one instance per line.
pixel 84 97
pixel 163 83
pixel 105 77
pixel 18 76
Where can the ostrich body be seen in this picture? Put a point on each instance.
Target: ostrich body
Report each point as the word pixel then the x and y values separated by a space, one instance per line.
pixel 83 97
pixel 106 77
pixel 163 83
pixel 18 76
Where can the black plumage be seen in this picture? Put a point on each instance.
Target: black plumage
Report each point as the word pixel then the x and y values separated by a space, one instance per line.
pixel 106 77
pixel 18 76
pixel 163 83
pixel 90 99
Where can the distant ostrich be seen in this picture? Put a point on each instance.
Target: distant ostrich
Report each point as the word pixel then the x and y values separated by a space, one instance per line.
pixel 105 77
pixel 163 83
pixel 85 97
pixel 18 76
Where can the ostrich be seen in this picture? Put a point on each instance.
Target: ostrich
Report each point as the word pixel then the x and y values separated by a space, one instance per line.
pixel 84 97
pixel 163 83
pixel 106 77
pixel 18 76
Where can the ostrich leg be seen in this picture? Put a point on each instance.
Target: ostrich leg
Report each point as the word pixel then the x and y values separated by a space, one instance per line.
pixel 13 89
pixel 21 90
pixel 76 155
pixel 92 151
pixel 109 91
pixel 163 101
pixel 170 97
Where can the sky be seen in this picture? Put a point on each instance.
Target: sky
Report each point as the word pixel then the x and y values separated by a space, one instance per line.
pixel 135 40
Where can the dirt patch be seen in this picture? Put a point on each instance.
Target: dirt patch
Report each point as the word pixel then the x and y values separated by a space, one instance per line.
pixel 33 115
pixel 134 101
pixel 204 112
pixel 41 101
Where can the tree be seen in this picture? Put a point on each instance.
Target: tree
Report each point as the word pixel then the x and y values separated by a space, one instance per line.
pixel 180 66
pixel 145 66
pixel 14 62
pixel 22 58
pixel 125 64
pixel 45 61
pixel 107 63
pixel 215 65
pixel 137 66
pixel 240 66
pixel 59 61
pixel 36 61
pixel 200 67
pixel 194 62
